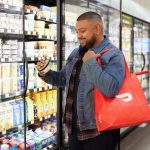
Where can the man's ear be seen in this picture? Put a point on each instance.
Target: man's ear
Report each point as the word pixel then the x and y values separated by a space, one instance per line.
pixel 99 28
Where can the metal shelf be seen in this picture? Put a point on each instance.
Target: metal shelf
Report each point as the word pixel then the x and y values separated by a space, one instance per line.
pixel 32 35
pixel 40 89
pixel 11 9
pixel 10 96
pixel 11 60
pixel 11 34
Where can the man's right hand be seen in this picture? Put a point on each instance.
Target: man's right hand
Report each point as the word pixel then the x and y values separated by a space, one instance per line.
pixel 40 65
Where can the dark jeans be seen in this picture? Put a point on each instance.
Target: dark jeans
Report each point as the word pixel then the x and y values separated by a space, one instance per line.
pixel 108 140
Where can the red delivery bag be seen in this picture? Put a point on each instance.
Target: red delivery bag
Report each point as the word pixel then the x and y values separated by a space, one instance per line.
pixel 128 108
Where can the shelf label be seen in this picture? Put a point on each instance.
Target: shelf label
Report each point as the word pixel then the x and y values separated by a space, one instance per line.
pixel 28 32
pixel 49 116
pixel 35 90
pixel 38 17
pixel 2 30
pixel 18 8
pixel 32 122
pixel 41 119
pixel 7 95
pixel 39 36
pixel 40 89
pixel 46 117
pixel 46 88
pixel 3 132
pixel 34 33
pixel 28 10
pixel 6 6
pixel 50 146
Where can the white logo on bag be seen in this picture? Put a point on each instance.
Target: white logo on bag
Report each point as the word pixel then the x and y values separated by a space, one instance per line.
pixel 126 97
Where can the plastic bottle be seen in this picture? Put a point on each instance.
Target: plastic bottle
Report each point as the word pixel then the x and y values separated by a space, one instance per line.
pixel 48 126
pixel 14 147
pixel 4 146
pixel 44 127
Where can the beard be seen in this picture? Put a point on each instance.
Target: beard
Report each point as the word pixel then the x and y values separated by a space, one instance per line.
pixel 90 43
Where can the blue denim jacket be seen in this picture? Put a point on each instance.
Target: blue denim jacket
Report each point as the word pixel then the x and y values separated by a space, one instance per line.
pixel 107 78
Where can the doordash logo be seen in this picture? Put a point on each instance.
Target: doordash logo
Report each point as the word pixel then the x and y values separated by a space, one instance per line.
pixel 126 97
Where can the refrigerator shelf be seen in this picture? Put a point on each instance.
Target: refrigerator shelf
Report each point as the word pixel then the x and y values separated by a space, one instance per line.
pixel 10 96
pixel 44 19
pixel 9 131
pixel 11 60
pixel 11 9
pixel 40 89
pixel 35 36
pixel 28 11
pixel 51 116
pixel 9 33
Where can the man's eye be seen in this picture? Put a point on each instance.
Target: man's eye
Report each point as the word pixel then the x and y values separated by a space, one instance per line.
pixel 82 31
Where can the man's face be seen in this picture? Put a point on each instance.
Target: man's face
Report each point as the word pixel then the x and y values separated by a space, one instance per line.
pixel 86 33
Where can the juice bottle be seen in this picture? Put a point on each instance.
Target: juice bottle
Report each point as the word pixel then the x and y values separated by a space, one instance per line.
pixel 44 103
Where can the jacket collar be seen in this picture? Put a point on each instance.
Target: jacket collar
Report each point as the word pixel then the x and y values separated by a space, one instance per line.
pixel 101 45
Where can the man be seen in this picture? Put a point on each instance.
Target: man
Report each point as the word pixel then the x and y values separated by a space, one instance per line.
pixel 80 74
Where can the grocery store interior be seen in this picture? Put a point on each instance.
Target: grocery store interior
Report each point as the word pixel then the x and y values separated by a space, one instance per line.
pixel 31 111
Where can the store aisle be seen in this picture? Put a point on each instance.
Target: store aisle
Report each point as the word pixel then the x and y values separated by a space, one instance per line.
pixel 139 139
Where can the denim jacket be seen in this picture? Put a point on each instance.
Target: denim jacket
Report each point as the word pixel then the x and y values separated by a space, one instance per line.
pixel 107 78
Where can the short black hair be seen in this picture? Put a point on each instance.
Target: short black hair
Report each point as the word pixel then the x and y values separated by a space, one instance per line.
pixel 89 16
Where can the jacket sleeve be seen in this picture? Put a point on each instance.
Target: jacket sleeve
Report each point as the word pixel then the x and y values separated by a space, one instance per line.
pixel 109 79
pixel 58 78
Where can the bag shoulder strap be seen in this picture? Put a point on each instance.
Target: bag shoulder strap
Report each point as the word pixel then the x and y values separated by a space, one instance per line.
pixel 127 72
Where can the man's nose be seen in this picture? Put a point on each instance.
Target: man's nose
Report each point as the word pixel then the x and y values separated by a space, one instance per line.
pixel 79 35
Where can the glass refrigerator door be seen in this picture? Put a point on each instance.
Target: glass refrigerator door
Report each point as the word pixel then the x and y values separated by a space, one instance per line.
pixel 110 13
pixel 141 55
pixel 11 75
pixel 145 51
pixel 127 24
pixel 41 98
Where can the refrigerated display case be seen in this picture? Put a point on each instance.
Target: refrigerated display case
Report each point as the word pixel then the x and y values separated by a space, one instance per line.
pixel 11 75
pixel 141 52
pixel 127 42
pixel 28 108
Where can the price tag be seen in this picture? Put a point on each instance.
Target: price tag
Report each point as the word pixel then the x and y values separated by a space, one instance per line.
pixel 39 36
pixel 40 89
pixel 17 93
pixel 32 122
pixel 28 10
pixel 28 32
pixel 41 119
pixel 4 132
pixel 7 95
pixel 18 8
pixel 16 31
pixel 49 116
pixel 47 19
pixel 35 90
pixel 28 91
pixel 50 146
pixel 38 17
pixel 9 31
pixel 2 30
pixel 6 6
pixel 46 88
pixel 20 127
pixel 34 33
pixel 32 58
pixel 21 32
pixel 2 59
pixel 45 117
pixel 48 37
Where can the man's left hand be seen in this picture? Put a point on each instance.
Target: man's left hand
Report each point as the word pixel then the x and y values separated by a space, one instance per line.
pixel 89 55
